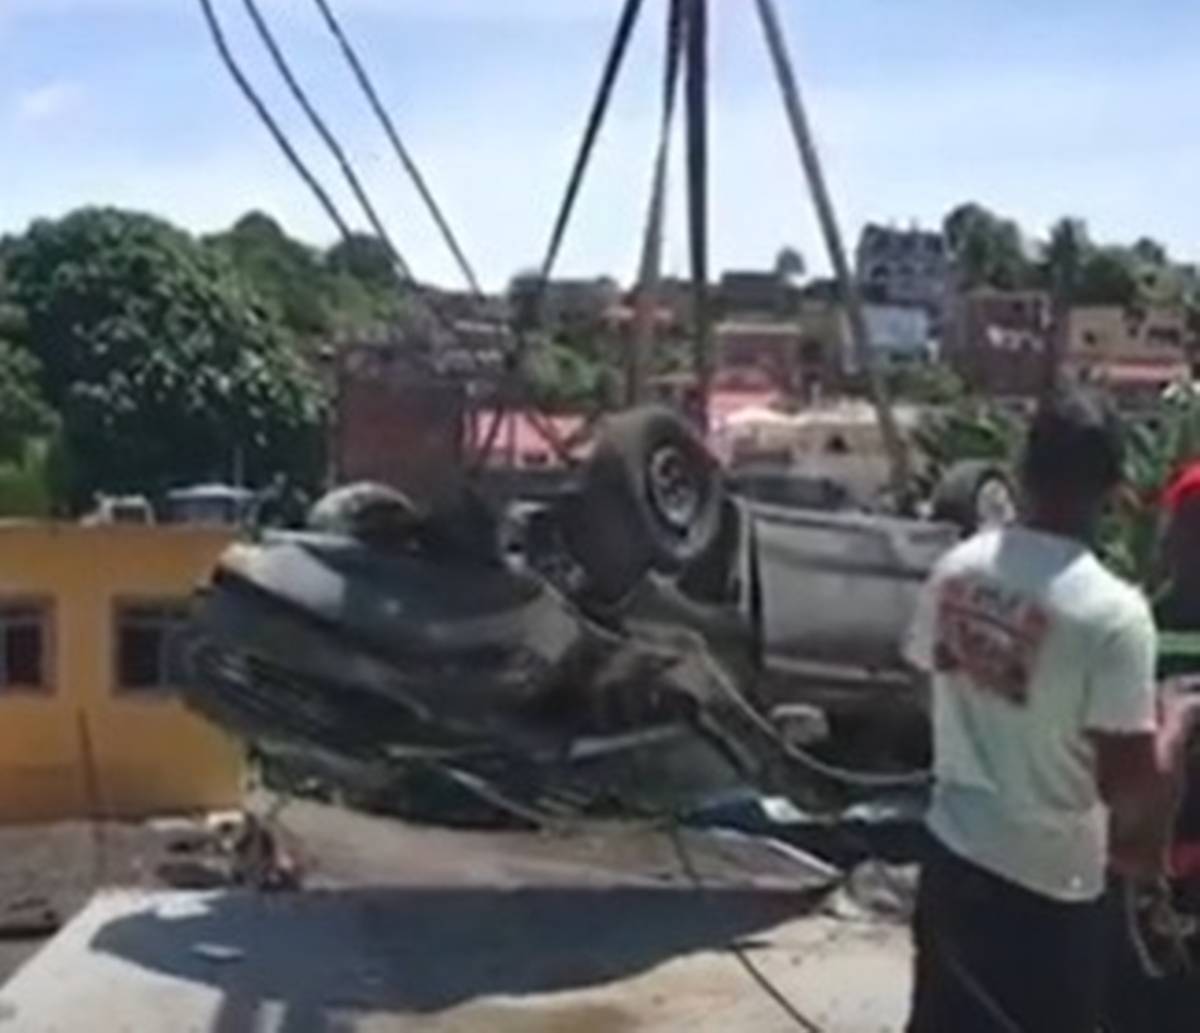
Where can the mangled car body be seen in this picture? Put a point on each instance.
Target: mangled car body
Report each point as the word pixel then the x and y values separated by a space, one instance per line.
pixel 644 604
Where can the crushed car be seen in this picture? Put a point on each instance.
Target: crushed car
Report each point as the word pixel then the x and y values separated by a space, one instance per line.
pixel 643 604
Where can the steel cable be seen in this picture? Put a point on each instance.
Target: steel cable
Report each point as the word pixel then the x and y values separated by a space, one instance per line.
pixel 399 149
pixel 265 116
pixel 335 148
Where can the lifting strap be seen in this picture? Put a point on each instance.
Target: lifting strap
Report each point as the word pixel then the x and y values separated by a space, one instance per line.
pixel 847 284
pixel 650 265
pixel 697 174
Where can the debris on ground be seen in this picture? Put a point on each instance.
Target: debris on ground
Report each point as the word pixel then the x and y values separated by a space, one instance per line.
pixel 875 892
pixel 28 919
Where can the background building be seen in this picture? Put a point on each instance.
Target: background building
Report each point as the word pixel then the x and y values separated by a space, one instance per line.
pixel 1134 352
pixel 89 722
pixel 997 340
pixel 904 267
pixel 899 335
pixel 394 422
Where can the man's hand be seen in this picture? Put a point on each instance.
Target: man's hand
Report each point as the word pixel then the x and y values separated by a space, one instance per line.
pixel 1142 781
pixel 1179 716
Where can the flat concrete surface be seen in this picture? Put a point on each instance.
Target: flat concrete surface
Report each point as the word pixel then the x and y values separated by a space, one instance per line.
pixel 428 960
pixel 433 930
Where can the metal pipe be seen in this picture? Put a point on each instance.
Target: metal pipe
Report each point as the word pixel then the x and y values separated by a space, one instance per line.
pixel 697 135
pixel 649 271
pixel 893 443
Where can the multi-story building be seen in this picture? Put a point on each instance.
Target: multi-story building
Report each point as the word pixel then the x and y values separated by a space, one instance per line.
pixel 1136 353
pixel 904 267
pixel 803 356
pixel 899 335
pixel 744 294
pixel 563 302
pixel 997 340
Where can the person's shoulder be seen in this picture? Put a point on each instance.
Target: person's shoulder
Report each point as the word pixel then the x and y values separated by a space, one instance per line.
pixel 1123 604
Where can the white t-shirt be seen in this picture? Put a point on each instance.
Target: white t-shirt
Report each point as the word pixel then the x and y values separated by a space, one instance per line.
pixel 1031 643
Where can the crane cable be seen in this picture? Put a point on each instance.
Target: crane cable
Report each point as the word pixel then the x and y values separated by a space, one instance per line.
pixel 329 138
pixel 851 296
pixel 608 80
pixel 696 47
pixel 399 149
pixel 264 115
pixel 649 267
pixel 622 36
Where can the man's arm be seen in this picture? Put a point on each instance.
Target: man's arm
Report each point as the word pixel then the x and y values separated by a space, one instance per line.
pixel 1137 743
pixel 1137 765
pixel 1141 781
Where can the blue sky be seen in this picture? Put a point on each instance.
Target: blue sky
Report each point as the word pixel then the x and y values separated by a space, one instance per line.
pixel 1036 109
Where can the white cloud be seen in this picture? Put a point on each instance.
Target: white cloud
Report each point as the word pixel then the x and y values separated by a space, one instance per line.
pixel 48 102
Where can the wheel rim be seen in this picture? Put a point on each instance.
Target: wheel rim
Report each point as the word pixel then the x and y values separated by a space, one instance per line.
pixel 674 493
pixel 995 504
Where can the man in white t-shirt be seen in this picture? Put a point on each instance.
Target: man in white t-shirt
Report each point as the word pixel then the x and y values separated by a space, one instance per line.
pixel 1045 719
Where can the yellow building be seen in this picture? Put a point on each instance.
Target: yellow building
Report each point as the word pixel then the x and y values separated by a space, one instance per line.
pixel 87 723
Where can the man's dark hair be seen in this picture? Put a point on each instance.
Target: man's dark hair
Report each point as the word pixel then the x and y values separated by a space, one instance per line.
pixel 1075 444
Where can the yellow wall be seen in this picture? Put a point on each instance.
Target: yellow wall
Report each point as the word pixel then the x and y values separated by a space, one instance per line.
pixel 151 755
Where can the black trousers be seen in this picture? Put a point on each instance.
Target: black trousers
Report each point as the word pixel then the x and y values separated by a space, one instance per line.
pixel 993 957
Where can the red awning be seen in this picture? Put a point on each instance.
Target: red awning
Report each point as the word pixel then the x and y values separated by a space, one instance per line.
pixel 1135 373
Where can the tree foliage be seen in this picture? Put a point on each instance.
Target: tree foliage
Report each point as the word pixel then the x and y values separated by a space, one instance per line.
pixel 284 273
pixel 789 264
pixel 24 413
pixel 162 364
pixel 349 289
pixel 987 249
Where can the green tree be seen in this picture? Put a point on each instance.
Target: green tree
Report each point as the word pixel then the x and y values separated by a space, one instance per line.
pixel 1063 257
pixel 1108 276
pixel 24 414
pixel 562 377
pixel 363 287
pixel 987 250
pixel 1081 273
pixel 1150 252
pixel 162 364
pixel 789 264
pixel 928 384
pixel 286 274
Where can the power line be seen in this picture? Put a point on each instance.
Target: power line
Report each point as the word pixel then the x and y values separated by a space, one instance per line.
pixel 264 115
pixel 327 136
pixel 402 153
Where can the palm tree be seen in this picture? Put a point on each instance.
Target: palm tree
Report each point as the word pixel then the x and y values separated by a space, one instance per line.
pixel 1062 261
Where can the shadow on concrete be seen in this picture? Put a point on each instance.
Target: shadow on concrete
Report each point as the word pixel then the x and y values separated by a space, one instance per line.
pixel 425 950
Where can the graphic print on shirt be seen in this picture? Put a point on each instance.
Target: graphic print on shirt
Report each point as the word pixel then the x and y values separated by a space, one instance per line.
pixel 990 634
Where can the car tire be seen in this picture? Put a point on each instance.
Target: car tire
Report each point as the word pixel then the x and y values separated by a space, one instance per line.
pixel 975 494
pixel 651 498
